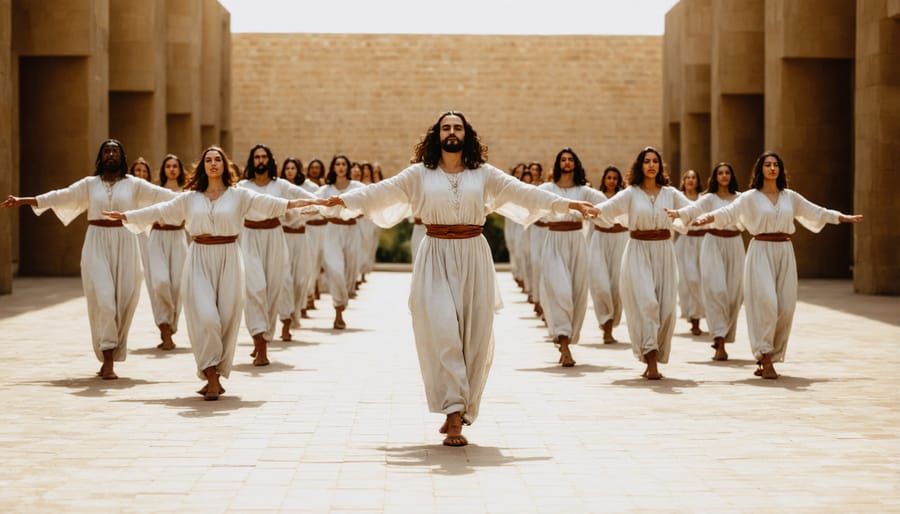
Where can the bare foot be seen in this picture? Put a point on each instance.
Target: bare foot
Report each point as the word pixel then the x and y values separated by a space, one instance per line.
pixel 285 330
pixel 607 332
pixel 565 357
pixel 339 318
pixel 695 327
pixel 454 431
pixel 651 373
pixel 202 391
pixel 304 314
pixel 767 369
pixel 260 346
pixel 310 304
pixel 106 370
pixel 165 333
pixel 719 345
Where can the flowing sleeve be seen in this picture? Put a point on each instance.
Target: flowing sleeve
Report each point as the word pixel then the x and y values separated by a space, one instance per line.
pixel 67 203
pixel 257 205
pixel 730 214
pixel 387 202
pixel 142 220
pixel 810 215
pixel 518 201
pixel 593 196
pixel 294 191
pixel 149 194
pixel 689 213
pixel 616 208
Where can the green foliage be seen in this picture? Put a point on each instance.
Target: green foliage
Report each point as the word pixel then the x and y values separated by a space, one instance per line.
pixel 394 244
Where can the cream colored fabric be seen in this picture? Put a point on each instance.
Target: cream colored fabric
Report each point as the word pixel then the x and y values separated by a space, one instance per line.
pixel 605 252
pixel 690 296
pixel 342 250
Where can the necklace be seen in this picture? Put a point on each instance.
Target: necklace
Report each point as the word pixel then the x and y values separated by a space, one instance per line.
pixel 109 191
pixel 454 179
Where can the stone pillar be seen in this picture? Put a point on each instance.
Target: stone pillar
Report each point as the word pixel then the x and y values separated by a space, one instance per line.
pixel 877 138
pixel 225 132
pixel 672 90
pixel 63 106
pixel 137 78
pixel 184 41
pixel 809 118
pixel 211 73
pixel 737 85
pixel 696 51
pixel 6 145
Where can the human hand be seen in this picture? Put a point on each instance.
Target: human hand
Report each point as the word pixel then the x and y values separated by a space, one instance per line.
pixel 853 218
pixel 331 202
pixel 703 220
pixel 116 215
pixel 671 213
pixel 586 209
pixel 11 201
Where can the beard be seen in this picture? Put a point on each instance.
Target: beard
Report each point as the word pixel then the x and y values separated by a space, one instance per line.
pixel 110 166
pixel 261 169
pixel 451 145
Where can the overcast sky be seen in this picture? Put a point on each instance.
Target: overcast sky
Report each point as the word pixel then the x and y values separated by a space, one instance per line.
pixel 450 16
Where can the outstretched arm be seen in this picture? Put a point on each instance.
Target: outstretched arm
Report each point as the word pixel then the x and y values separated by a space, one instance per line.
pixel 301 202
pixel 16 201
pixel 116 215
pixel 850 218
pixel 585 208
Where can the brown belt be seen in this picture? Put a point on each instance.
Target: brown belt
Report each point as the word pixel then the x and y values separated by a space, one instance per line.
pixel 774 237
pixel 611 230
pixel 697 233
pixel 293 230
pixel 269 223
pixel 564 226
pixel 206 239
pixel 418 221
pixel 105 223
pixel 724 233
pixel 540 223
pixel 159 226
pixel 453 231
pixel 340 221
pixel 316 223
pixel 651 235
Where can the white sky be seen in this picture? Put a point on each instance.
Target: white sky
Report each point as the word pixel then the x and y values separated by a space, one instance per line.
pixel 582 17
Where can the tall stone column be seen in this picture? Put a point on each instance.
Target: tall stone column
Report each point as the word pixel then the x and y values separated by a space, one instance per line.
pixel 211 73
pixel 877 138
pixel 184 42
pixel 6 145
pixel 809 117
pixel 672 88
pixel 696 50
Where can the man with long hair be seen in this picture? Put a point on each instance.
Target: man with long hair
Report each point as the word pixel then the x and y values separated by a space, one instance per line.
pixel 452 297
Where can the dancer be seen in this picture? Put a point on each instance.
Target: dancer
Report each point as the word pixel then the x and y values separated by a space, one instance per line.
pixel 453 286
pixel 564 257
pixel 140 169
pixel 315 231
pixel 768 210
pixel 213 287
pixel 648 278
pixel 110 261
pixel 687 253
pixel 605 260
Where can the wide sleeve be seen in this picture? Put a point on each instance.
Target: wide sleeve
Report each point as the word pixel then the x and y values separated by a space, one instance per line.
pixel 257 205
pixel 67 203
pixel 592 195
pixel 294 191
pixel 142 220
pixel 730 214
pixel 689 213
pixel 617 206
pixel 810 215
pixel 146 193
pixel 518 201
pixel 387 202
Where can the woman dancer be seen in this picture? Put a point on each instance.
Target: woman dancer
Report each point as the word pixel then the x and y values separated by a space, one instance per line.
pixel 213 286
pixel 768 210
pixel 687 252
pixel 606 248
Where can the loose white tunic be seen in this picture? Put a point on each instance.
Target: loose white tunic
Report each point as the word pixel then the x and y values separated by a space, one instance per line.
pixel 415 241
pixel 301 265
pixel 770 271
pixel 648 281
pixel 721 268
pixel 605 264
pixel 266 265
pixel 453 286
pixel 687 252
pixel 564 267
pixel 212 285
pixel 341 250
pixel 536 236
pixel 110 260
pixel 167 250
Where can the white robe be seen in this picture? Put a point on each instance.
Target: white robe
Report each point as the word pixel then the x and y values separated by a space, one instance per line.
pixel 648 282
pixel 564 267
pixel 535 236
pixel 167 250
pixel 342 250
pixel 110 260
pixel 687 253
pixel 415 240
pixel 770 271
pixel 453 286
pixel 721 269
pixel 605 265
pixel 295 291
pixel 212 284
pixel 266 265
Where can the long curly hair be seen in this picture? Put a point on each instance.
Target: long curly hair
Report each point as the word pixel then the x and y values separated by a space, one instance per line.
pixel 712 185
pixel 620 182
pixel 579 177
pixel 636 177
pixel 331 177
pixel 428 151
pixel 271 167
pixel 123 161
pixel 162 170
pixel 200 180
pixel 757 177
pixel 299 178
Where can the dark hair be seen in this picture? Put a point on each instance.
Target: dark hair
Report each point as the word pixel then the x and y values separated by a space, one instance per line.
pixel 200 180
pixel 620 182
pixel 579 178
pixel 365 164
pixel 140 161
pixel 636 177
pixel 522 165
pixel 321 170
pixel 271 167
pixel 428 151
pixel 123 163
pixel 300 178
pixel 712 185
pixel 681 182
pixel 524 172
pixel 162 170
pixel 331 178
pixel 756 175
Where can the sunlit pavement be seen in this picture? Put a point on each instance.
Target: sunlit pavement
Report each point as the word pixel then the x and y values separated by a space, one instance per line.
pixel 338 422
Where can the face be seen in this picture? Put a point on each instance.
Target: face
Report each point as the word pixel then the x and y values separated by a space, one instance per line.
pixel 142 171
pixel 341 167
pixel 290 171
pixel 452 134
pixel 770 168
pixel 214 164
pixel 112 154
pixel 170 168
pixel 690 181
pixel 610 181
pixel 518 170
pixel 567 162
pixel 260 159
pixel 650 165
pixel 527 178
pixel 723 177
pixel 314 171
pixel 355 173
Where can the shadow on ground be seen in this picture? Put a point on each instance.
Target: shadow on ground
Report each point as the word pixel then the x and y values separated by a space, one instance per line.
pixel 445 460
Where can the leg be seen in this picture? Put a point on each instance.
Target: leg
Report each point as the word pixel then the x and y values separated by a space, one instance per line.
pixel 165 333
pixel 286 329
pixel 607 332
pixel 651 373
pixel 106 371
pixel 768 370
pixel 695 327
pixel 213 388
pixel 719 345
pixel 259 347
pixel 565 357
pixel 339 323
pixel 453 428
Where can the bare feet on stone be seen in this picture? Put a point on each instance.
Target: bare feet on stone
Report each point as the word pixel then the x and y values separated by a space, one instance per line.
pixel 453 429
